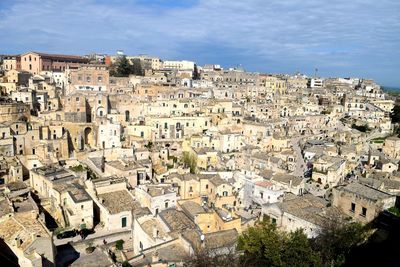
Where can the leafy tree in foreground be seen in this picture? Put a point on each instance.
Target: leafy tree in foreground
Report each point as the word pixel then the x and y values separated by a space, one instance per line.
pixel 337 238
pixel 263 245
pixel 298 251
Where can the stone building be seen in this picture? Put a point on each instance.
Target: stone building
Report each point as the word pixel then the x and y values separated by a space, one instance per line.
pixel 361 202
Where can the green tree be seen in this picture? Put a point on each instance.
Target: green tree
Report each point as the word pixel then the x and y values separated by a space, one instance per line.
pixel 395 114
pixel 262 245
pixel 119 244
pixel 122 67
pixel 298 251
pixel 362 128
pixel 126 264
pixel 196 74
pixel 190 161
pixel 337 238
pixel 136 67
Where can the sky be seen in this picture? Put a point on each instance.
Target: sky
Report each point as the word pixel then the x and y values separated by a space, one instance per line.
pixel 341 38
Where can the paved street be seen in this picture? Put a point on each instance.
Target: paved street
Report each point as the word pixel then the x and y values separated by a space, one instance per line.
pixel 97 237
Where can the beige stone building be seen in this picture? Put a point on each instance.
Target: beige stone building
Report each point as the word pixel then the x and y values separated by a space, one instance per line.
pixel 361 202
pixel 88 79
pixel 391 147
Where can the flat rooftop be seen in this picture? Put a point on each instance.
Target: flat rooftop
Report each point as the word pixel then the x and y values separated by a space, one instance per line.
pixel 54 173
pixel 124 165
pixel 365 191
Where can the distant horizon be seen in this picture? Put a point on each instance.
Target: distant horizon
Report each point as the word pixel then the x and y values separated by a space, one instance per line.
pixel 310 75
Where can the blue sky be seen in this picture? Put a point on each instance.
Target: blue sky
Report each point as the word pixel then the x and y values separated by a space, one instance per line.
pixel 339 37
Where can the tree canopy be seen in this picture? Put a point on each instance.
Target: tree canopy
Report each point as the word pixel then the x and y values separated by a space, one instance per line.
pixel 123 67
pixel 264 245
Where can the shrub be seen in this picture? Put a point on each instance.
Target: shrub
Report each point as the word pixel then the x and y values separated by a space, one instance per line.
pixel 89 250
pixel 119 244
pixel 77 168
pixel 395 211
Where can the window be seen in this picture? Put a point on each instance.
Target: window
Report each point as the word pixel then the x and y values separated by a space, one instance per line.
pixel 261 195
pixel 364 211
pixel 88 78
pixel 100 79
pixel 353 207
pixel 166 205
pixel 206 186
pixel 273 220
pixel 123 222
pixel 81 207
pixel 77 99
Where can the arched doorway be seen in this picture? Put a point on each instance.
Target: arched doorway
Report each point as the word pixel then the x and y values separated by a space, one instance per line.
pixel 87 133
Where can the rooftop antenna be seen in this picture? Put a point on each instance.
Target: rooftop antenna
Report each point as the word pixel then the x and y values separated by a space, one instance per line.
pixel 315 73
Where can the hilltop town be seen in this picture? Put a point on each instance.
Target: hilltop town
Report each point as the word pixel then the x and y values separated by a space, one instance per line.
pixel 110 160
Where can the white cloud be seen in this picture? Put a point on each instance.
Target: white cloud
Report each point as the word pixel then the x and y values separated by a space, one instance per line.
pixel 337 33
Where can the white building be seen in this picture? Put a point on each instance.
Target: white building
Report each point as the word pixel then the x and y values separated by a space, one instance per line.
pixel 314 83
pixel 109 135
pixel 179 65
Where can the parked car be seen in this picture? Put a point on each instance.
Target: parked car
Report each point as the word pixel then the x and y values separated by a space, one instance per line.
pixel 66 234
pixel 85 232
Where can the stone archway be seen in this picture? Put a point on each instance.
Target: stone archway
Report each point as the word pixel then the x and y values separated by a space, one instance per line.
pixel 88 135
